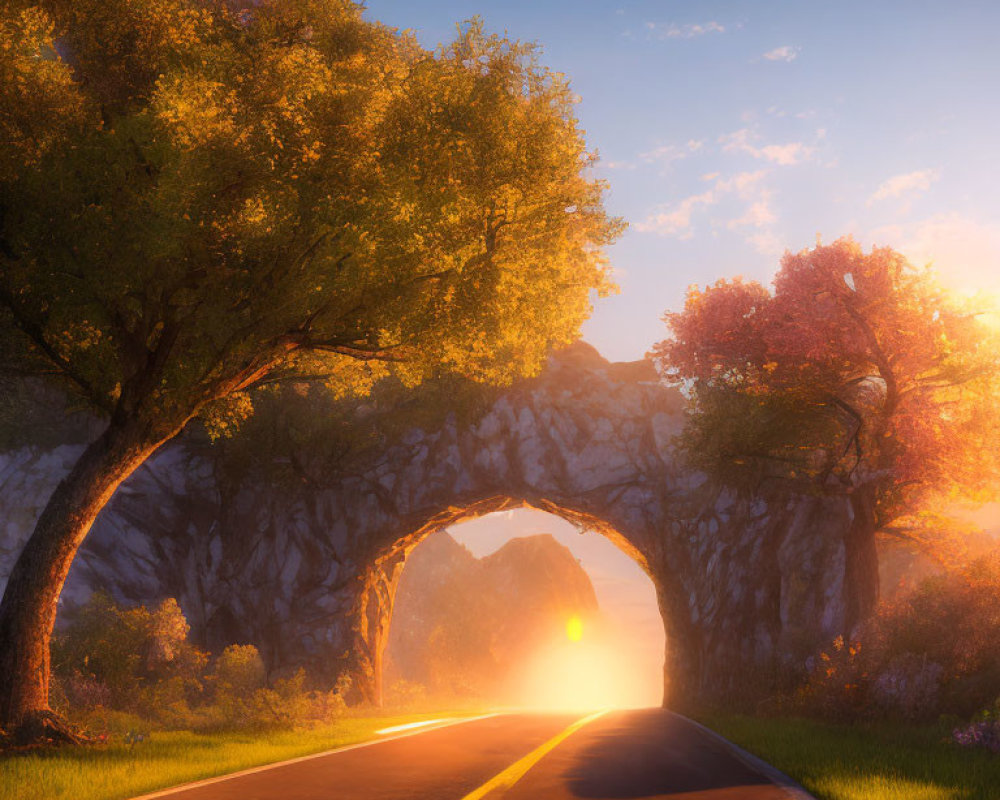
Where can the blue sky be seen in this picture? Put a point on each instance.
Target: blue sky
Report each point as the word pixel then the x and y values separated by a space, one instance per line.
pixel 730 132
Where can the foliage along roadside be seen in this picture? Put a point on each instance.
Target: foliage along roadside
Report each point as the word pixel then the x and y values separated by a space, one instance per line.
pixel 928 652
pixel 126 670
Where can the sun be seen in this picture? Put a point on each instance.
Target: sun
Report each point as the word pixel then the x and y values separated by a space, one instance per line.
pixel 574 629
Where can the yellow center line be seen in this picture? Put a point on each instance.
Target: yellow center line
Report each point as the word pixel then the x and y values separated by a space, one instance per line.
pixel 516 771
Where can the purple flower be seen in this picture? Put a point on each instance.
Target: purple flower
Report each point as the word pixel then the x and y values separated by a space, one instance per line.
pixel 985 734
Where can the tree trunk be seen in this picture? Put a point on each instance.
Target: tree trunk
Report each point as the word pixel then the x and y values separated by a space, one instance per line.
pixel 29 605
pixel 861 573
pixel 372 619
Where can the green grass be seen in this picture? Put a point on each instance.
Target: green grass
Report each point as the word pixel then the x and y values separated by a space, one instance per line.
pixel 871 762
pixel 116 771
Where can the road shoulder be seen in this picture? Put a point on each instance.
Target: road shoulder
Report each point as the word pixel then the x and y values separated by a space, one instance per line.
pixel 794 790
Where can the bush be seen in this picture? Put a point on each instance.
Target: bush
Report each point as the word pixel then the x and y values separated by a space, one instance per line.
pixel 121 671
pixel 931 652
pixel 239 671
pixel 104 723
pixel 984 731
pixel 108 656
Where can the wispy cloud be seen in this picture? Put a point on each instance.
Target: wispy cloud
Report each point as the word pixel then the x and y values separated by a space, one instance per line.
pixel 767 243
pixel 908 183
pixel 786 154
pixel 742 141
pixel 672 30
pixel 676 221
pixel 618 165
pixel 785 53
pixel 667 154
pixel 742 183
pixel 758 215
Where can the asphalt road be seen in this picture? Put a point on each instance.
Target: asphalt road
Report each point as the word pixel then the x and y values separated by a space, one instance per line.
pixel 645 753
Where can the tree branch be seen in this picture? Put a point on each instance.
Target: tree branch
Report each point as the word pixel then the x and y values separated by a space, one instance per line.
pixel 35 332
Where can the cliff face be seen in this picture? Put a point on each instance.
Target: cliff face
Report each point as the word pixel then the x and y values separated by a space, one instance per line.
pixel 461 625
pixel 307 571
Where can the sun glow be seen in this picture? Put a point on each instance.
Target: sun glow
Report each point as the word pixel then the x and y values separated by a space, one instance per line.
pixel 584 673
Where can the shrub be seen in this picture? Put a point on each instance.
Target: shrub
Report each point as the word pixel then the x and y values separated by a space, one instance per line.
pixel 122 671
pixel 931 652
pixel 103 723
pixel 239 670
pixel 984 733
pixel 108 656
pixel 99 652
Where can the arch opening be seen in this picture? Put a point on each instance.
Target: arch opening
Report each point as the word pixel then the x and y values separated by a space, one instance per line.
pixel 525 608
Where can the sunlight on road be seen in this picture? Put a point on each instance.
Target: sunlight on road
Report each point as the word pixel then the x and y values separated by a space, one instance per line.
pixel 584 670
pixel 411 725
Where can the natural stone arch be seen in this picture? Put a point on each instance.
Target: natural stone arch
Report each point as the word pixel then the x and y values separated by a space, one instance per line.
pixel 747 585
pixel 376 602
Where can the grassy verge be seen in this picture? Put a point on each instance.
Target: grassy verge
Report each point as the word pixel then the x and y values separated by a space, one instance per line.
pixel 117 771
pixel 877 762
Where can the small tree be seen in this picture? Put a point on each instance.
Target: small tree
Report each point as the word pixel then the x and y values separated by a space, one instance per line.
pixel 859 374
pixel 197 196
pixel 104 645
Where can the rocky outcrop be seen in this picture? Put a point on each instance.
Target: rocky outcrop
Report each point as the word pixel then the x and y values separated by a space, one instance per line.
pixel 747 585
pixel 461 625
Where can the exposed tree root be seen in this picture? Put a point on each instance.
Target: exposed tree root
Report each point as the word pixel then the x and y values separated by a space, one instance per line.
pixel 44 728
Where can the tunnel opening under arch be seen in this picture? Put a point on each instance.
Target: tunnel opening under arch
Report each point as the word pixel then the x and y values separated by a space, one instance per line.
pixel 522 608
pixel 514 604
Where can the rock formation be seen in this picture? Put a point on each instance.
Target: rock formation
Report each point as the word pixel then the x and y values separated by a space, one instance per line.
pixel 460 625
pixel 747 585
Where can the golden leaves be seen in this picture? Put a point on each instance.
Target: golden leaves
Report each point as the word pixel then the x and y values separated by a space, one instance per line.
pixel 39 102
pixel 296 177
pixel 195 109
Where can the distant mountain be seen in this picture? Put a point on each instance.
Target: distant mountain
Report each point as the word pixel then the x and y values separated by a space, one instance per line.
pixel 461 624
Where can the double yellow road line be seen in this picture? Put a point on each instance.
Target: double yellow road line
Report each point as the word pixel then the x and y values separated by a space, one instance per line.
pixel 506 779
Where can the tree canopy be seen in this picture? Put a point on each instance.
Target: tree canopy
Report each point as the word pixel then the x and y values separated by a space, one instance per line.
pixel 198 194
pixel 858 371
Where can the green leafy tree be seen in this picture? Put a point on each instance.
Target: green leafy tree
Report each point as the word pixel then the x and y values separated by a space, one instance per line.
pixel 200 195
pixel 104 644
pixel 238 676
